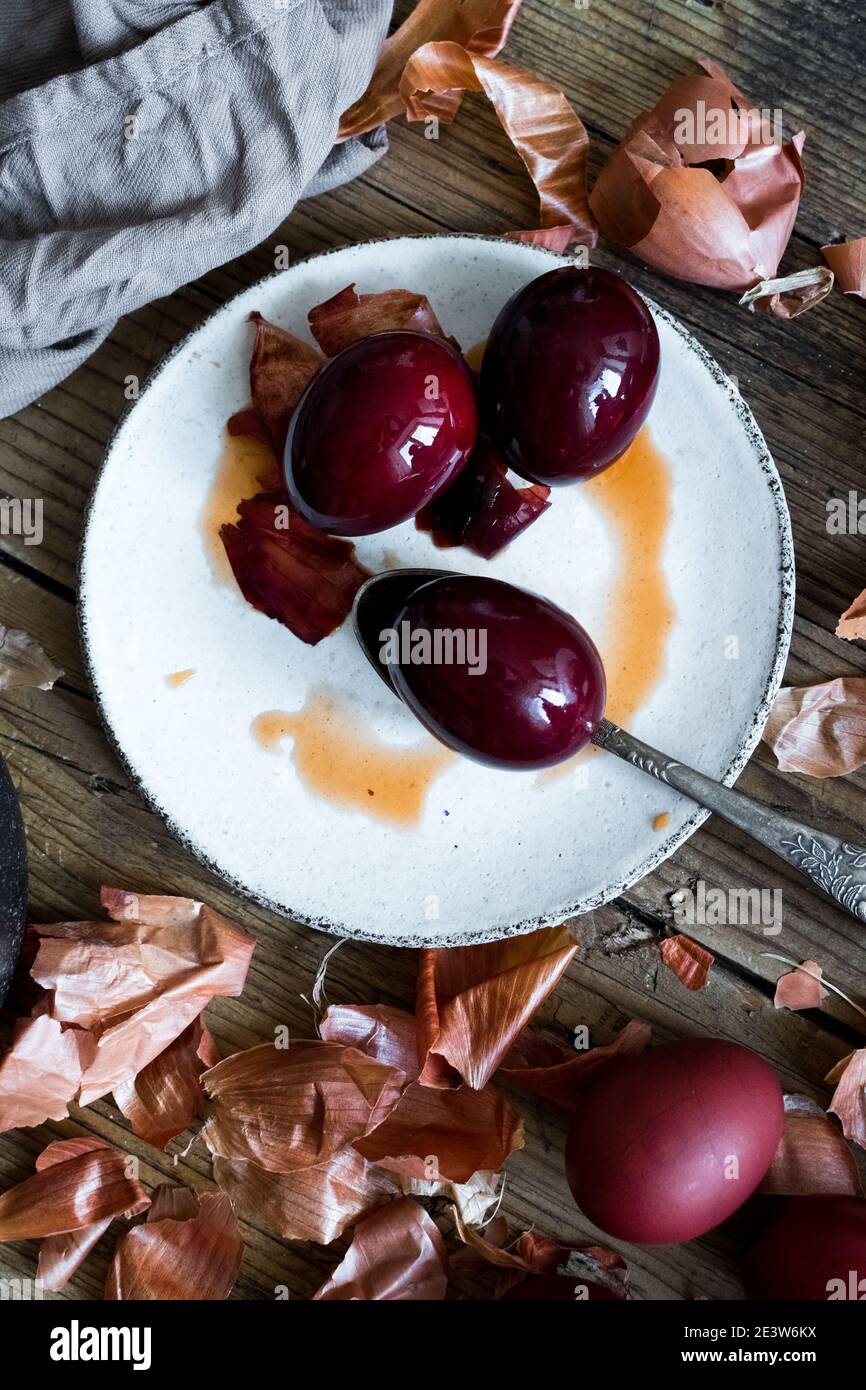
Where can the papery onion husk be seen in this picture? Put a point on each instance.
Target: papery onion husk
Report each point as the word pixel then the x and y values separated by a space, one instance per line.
pixel 847 260
pixel 23 663
pixel 296 1107
pixel 442 1135
pixel 472 1002
pixel 800 989
pixel 482 509
pixel 849 1097
pixel 689 962
pixel 281 368
pixel 60 1256
pixel 396 1254
pixel 546 133
pixel 311 1203
pixel 787 296
pixel 557 1073
pixel 348 316
pixel 137 982
pixel 819 730
pixel 41 1070
pixel 656 196
pixel 197 1257
pixel 164 1098
pixel 288 569
pixel 852 624
pixel 474 1200
pixel 812 1156
pixel 534 1253
pixel 89 1186
pixel 480 25
pixel 386 1034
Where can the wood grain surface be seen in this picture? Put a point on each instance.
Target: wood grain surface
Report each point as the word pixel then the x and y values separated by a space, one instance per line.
pixel 87 826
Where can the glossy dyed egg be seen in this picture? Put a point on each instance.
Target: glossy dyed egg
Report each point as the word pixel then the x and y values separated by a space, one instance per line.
pixel 569 374
pixel 527 687
pixel 666 1145
pixel 811 1248
pixel 381 430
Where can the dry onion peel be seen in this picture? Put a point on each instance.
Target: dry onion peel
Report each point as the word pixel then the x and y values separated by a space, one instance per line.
pixel 60 1256
pixel 847 259
pixel 396 1254
pixel 88 1186
pixel 557 1073
pixel 800 988
pixel 165 1097
pixel 534 1253
pixel 825 984
pixel 311 1203
pixel 727 230
pixel 41 1071
pixel 472 1002
pixel 546 133
pixel 296 1107
pixel 477 1201
pixel 481 26
pixel 137 982
pixel 849 1097
pixel 819 730
pixel 852 624
pixel 442 1135
pixel 23 663
pixel 786 296
pixel 281 368
pixel 689 962
pixel 195 1257
pixel 812 1156
pixel 384 1033
pixel 349 316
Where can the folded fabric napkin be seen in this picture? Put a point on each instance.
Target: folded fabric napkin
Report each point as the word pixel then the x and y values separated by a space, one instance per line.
pixel 143 142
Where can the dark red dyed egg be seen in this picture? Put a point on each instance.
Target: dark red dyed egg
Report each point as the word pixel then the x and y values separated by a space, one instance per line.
pixel 558 1288
pixel 812 1248
pixel 569 374
pixel 497 673
pixel 666 1145
pixel 381 430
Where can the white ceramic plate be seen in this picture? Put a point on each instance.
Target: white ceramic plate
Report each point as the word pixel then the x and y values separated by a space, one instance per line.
pixel 494 852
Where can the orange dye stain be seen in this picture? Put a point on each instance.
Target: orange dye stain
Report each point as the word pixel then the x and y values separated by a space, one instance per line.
pixel 662 820
pixel 179 678
pixel 243 463
pixel 336 758
pixel 635 496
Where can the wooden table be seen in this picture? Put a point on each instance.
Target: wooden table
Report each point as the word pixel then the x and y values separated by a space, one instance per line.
pixel 804 380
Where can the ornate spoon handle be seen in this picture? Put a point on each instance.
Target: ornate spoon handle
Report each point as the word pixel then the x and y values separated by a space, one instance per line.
pixel 834 866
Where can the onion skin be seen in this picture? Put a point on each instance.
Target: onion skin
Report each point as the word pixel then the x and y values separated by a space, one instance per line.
pixel 569 374
pixel 381 430
pixel 657 1140
pixel 806 1244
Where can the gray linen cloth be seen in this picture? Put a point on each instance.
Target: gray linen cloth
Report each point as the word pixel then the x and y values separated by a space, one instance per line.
pixel 143 142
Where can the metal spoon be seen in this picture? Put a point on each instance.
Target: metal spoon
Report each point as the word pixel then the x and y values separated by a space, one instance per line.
pixel 835 866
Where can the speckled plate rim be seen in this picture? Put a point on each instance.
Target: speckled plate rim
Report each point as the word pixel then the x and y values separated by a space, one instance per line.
pixel 746 746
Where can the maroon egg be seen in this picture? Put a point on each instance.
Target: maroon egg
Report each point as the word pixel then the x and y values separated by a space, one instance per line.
pixel 812 1248
pixel 540 694
pixel 569 374
pixel 382 428
pixel 666 1145
pixel 558 1288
